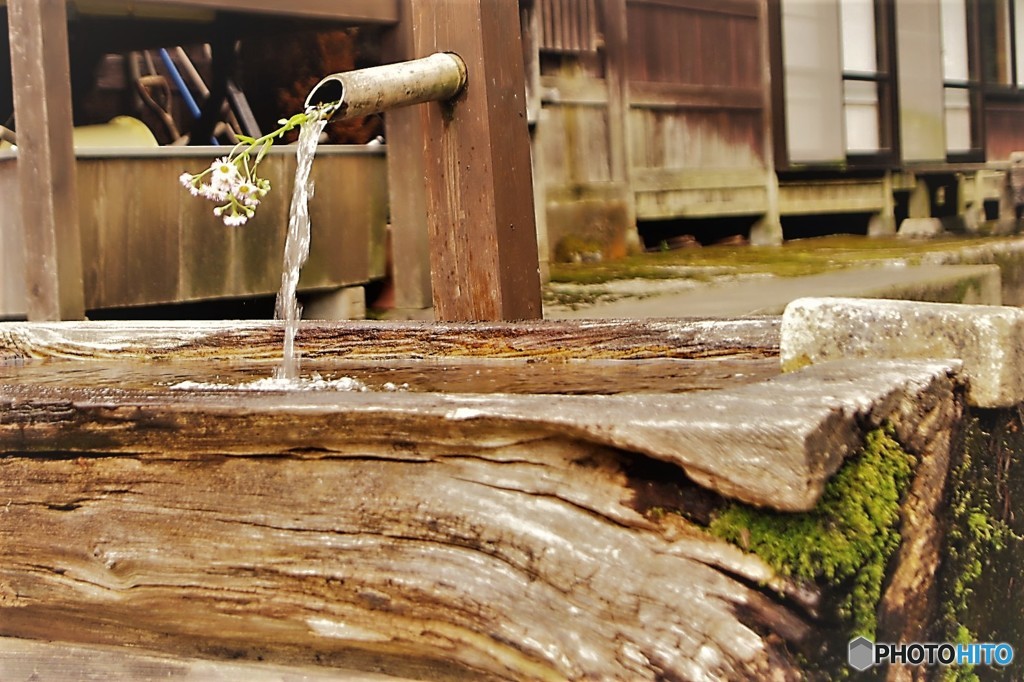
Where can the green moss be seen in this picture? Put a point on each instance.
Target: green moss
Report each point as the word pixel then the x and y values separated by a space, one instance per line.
pixel 980 546
pixel 792 259
pixel 846 541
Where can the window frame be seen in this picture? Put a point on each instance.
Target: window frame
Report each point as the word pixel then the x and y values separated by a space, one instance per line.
pixel 975 87
pixel 885 80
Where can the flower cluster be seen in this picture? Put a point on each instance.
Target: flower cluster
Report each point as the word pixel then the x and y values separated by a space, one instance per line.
pixel 233 186
pixel 231 181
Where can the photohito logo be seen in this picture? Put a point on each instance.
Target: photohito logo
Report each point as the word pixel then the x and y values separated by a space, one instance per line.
pixel 864 653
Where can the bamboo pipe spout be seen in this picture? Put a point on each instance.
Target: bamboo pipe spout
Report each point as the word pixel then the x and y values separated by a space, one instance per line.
pixel 437 78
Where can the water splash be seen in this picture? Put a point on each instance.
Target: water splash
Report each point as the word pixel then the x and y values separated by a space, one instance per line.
pixel 276 383
pixel 296 249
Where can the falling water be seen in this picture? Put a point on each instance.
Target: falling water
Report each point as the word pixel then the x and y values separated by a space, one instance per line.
pixel 296 248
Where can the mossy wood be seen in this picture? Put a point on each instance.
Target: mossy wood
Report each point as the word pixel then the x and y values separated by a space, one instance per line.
pixel 432 535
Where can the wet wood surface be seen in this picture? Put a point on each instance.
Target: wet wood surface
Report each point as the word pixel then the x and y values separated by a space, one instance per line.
pixel 531 561
pixel 256 340
pixel 465 531
pixel 23 660
pixel 459 534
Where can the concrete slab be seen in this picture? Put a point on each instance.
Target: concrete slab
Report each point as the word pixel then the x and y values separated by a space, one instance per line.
pixel 988 339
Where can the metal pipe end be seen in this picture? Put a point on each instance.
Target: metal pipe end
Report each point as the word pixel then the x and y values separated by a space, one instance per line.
pixel 329 90
pixel 440 77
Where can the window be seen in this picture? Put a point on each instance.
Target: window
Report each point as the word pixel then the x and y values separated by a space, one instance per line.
pixel 865 78
pixel 957 83
pixel 1001 28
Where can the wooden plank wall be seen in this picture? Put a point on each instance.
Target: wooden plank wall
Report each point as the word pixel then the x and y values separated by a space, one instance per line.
pixel 580 153
pixel 697 106
pixel 12 249
pixel 568 25
pixel 692 113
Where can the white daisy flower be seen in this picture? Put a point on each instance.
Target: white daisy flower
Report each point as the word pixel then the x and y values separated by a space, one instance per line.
pixel 213 194
pixel 247 194
pixel 190 182
pixel 235 219
pixel 225 174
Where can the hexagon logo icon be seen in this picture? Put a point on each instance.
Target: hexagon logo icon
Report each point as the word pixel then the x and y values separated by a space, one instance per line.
pixel 862 653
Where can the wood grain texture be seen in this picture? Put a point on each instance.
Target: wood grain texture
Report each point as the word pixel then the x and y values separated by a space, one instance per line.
pixel 438 535
pixel 527 564
pixel 361 11
pixel 23 660
pixel 483 233
pixel 259 340
pixel 46 161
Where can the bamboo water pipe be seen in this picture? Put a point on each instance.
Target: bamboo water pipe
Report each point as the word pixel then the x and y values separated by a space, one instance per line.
pixel 437 78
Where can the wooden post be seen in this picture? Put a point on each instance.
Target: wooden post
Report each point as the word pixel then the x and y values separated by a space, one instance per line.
pixel 617 80
pixel 410 247
pixel 768 229
pixel 46 159
pixel 480 209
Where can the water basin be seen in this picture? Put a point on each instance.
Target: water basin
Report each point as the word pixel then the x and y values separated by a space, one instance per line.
pixel 441 524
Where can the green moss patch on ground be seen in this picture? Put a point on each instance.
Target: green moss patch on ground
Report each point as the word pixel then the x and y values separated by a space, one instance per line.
pixel 792 259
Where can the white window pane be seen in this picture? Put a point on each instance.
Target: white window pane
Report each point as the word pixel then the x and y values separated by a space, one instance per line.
pixel 861 108
pixel 954 40
pixel 813 76
pixel 858 35
pixel 958 120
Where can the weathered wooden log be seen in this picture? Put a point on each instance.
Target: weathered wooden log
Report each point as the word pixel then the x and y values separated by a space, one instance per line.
pixel 506 568
pixel 255 340
pixel 435 535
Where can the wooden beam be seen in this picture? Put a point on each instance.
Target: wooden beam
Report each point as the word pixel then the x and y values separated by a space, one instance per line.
pixel 619 103
pixel 410 246
pixel 46 159
pixel 483 235
pixel 361 11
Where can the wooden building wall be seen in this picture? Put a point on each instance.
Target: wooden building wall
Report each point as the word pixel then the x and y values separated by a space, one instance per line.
pixel 696 106
pixel 651 109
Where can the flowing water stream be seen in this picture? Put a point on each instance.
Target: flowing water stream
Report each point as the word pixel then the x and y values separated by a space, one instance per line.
pixel 296 249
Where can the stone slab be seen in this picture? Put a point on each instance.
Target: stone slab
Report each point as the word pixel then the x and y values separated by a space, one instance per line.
pixel 920 228
pixel 988 339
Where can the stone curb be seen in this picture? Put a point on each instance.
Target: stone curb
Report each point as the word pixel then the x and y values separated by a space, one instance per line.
pixel 989 340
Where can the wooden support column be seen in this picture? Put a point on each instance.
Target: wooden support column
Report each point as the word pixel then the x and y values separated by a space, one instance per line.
pixel 410 246
pixel 480 208
pixel 46 159
pixel 767 231
pixel 616 50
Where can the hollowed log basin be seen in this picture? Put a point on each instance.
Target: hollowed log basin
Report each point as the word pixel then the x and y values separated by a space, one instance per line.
pixel 481 501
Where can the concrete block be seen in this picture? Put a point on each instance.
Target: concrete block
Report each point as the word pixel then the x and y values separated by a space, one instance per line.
pixel 347 303
pixel 989 340
pixel 920 228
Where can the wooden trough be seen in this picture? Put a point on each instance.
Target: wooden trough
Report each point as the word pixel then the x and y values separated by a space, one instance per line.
pixel 147 242
pixel 493 506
